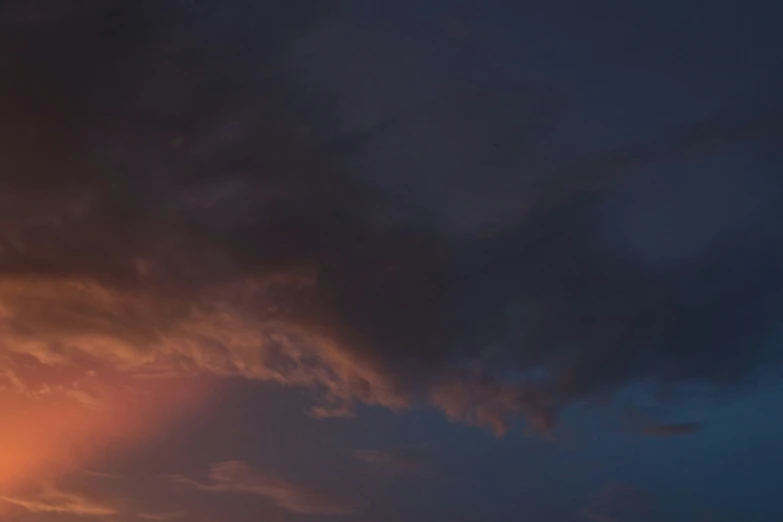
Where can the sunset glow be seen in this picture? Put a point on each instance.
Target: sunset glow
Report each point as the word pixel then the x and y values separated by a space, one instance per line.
pixel 391 261
pixel 49 431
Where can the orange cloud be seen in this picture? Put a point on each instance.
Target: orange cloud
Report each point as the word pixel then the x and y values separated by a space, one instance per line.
pixel 53 500
pixel 71 326
pixel 80 360
pixel 85 367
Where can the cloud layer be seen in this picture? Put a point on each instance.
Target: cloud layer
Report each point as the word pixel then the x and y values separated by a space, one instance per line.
pixel 158 223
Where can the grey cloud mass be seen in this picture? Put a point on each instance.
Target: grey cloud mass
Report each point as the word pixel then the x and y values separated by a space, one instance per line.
pixel 177 197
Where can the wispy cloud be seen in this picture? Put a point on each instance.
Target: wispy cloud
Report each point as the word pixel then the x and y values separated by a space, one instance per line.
pixel 240 477
pixel 53 500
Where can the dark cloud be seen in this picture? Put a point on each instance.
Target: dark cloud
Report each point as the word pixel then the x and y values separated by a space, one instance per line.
pixel 172 183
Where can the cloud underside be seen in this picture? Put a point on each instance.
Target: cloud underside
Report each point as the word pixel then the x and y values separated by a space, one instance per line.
pixel 240 478
pixel 152 225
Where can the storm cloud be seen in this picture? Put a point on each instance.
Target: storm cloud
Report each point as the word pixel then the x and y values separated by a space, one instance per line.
pixel 177 197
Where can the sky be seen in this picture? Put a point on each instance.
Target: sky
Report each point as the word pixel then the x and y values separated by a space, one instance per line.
pixel 434 260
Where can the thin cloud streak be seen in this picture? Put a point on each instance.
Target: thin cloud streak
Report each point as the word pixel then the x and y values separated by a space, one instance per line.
pixel 240 477
pixel 52 500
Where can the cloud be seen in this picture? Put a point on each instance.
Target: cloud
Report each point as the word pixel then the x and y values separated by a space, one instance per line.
pixel 52 500
pixel 162 516
pixel 675 429
pixel 240 477
pixel 161 222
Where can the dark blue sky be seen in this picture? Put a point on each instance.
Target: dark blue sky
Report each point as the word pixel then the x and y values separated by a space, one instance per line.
pixel 391 261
